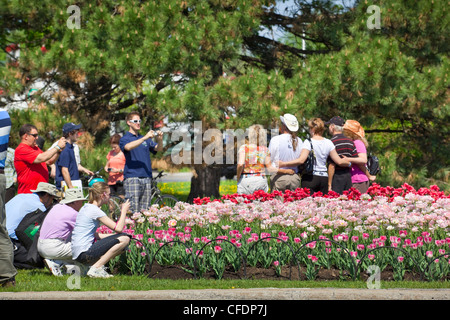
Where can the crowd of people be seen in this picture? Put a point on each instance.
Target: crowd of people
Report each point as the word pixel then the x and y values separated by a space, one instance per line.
pixel 340 162
pixel 67 237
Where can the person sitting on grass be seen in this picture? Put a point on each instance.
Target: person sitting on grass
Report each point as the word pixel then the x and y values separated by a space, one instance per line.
pixel 55 233
pixel 92 248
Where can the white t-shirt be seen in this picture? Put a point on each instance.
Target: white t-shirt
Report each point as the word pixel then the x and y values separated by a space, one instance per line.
pixel 281 149
pixel 322 149
pixel 83 234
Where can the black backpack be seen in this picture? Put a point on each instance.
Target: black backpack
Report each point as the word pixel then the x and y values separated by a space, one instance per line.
pixel 373 165
pixel 308 166
pixel 28 228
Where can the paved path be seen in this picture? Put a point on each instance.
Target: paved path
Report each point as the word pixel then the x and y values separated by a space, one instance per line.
pixel 238 294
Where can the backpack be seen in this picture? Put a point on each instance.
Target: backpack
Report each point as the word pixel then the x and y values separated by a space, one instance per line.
pixel 373 165
pixel 29 227
pixel 308 166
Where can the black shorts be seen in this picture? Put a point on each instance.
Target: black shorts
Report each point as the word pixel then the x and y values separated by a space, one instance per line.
pixel 99 248
pixel 342 181
pixel 315 183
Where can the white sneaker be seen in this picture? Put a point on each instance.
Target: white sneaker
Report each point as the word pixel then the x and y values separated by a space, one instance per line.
pixel 98 273
pixel 54 267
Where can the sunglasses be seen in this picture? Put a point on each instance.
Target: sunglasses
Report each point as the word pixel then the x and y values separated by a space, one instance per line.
pixel 33 134
pixel 135 121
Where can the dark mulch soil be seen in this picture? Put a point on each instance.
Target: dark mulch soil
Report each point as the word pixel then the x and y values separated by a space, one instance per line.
pixel 287 273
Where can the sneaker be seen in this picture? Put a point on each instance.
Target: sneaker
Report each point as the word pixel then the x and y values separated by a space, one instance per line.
pixel 98 273
pixel 54 267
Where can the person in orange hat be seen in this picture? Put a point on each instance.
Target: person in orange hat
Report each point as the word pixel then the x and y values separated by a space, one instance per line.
pixel 360 175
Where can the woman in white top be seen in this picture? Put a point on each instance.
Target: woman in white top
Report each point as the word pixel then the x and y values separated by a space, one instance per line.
pixel 92 248
pixel 322 148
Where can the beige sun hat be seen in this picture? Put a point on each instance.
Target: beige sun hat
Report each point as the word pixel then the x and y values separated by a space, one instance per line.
pixel 73 194
pixel 290 121
pixel 48 188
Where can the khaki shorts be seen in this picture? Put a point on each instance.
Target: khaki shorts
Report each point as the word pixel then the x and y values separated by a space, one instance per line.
pixel 282 182
pixel 249 184
pixel 55 249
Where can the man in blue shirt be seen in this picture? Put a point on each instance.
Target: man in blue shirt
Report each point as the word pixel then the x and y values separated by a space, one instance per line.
pixel 138 166
pixel 18 207
pixel 67 166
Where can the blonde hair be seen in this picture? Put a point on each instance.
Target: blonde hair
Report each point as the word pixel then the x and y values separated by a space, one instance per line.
pixel 354 136
pixel 97 190
pixel 316 125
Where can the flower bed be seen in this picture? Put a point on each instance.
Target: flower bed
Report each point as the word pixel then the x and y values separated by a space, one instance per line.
pixel 402 231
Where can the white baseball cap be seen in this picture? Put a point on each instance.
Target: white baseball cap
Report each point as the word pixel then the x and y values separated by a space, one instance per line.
pixel 290 121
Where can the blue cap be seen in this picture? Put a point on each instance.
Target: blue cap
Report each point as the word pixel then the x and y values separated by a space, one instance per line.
pixel 68 127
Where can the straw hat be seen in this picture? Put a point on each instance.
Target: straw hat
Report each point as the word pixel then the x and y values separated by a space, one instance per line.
pixel 290 121
pixel 355 127
pixel 48 188
pixel 73 194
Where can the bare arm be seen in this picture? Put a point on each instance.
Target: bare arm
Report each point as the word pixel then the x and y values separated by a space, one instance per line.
pixel 272 169
pixel 51 154
pixel 360 159
pixel 300 160
pixel 338 160
pixel 331 169
pixel 66 176
pixel 120 224
pixel 134 144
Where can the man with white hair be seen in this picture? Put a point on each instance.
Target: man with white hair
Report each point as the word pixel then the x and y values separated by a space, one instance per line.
pixel 342 178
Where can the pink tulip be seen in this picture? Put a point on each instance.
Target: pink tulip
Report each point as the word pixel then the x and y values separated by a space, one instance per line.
pixel 400 259
pixel 217 249
pixel 429 254
pixel 371 256
pixel 276 263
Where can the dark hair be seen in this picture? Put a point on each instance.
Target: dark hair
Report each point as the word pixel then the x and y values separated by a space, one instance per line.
pixel 26 128
pixel 115 138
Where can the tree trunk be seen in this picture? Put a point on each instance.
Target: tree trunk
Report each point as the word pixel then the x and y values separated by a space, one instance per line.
pixel 205 182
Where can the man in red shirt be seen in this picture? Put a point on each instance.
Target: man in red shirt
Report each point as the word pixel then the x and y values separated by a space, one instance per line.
pixel 31 162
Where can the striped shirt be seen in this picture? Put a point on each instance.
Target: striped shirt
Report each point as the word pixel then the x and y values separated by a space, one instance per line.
pixel 344 147
pixel 5 129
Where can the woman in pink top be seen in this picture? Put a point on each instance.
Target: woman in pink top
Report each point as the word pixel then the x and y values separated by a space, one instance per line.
pixel 360 174
pixel 114 166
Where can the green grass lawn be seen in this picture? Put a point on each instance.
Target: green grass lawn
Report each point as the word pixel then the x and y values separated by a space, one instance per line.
pixel 42 280
pixel 181 189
